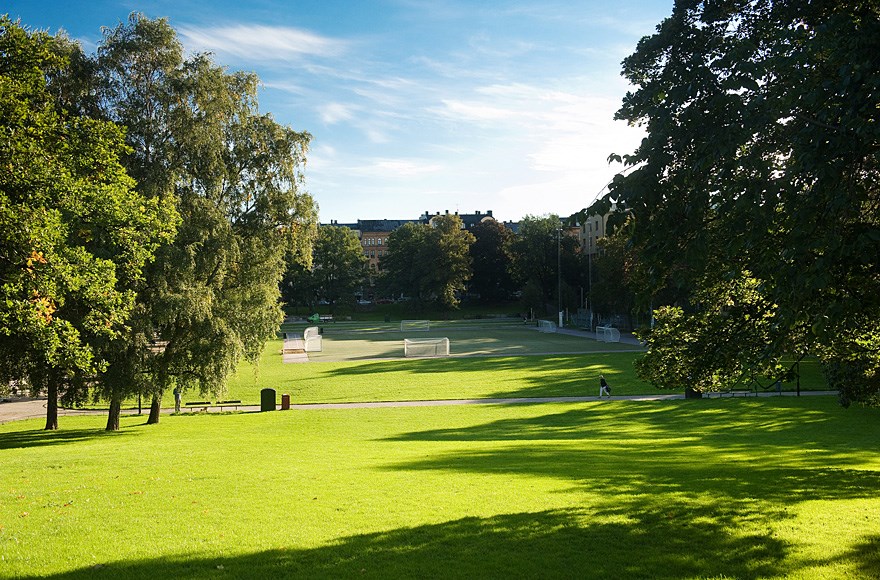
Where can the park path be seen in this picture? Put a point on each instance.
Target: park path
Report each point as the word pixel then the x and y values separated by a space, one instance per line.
pixel 36 408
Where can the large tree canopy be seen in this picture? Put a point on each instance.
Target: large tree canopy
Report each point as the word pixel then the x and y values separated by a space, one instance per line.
pixel 198 139
pixel 429 263
pixel 761 170
pixel 546 259
pixel 491 255
pixel 74 235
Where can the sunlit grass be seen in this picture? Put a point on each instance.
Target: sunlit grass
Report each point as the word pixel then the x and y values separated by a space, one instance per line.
pixel 771 488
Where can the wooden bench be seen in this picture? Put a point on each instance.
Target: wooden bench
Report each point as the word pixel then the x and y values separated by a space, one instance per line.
pixel 735 392
pixel 203 406
pixel 233 404
pixel 326 318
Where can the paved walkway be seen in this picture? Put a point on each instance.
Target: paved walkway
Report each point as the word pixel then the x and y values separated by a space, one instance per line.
pixel 18 410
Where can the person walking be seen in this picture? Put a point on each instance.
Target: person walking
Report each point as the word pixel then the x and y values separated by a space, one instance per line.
pixel 604 389
pixel 177 399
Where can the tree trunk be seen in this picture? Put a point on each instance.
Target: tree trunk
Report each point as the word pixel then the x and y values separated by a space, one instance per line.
pixel 113 415
pixel 154 410
pixel 52 405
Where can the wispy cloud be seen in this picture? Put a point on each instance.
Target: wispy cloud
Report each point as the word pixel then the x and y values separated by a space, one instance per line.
pixel 251 42
pixel 398 168
pixel 332 113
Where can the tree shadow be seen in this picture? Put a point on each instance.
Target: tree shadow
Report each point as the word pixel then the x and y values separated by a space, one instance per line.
pixel 42 438
pixel 716 456
pixel 654 543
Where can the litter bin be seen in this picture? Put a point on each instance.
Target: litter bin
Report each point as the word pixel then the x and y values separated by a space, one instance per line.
pixel 285 402
pixel 267 400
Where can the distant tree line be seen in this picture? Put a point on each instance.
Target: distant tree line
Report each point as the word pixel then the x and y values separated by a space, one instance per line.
pixel 438 265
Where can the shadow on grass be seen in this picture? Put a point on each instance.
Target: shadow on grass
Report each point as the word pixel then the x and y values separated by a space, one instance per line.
pixel 795 451
pixel 653 544
pixel 545 376
pixel 42 438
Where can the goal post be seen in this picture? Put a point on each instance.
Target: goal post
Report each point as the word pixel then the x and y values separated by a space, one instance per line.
pixel 312 339
pixel 413 347
pixel 418 325
pixel 607 334
pixel 546 326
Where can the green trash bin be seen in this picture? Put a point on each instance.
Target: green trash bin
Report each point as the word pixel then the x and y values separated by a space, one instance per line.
pixel 267 400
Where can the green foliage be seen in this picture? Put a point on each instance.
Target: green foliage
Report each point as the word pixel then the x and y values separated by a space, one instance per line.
pixel 492 260
pixel 539 251
pixel 429 263
pixel 74 235
pixel 761 156
pixel 198 141
pixel 339 265
pixel 728 340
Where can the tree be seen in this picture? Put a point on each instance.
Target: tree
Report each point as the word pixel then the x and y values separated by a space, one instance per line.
pixel 197 139
pixel 449 257
pixel 339 264
pixel 761 162
pixel 612 269
pixel 540 251
pixel 429 263
pixel 74 235
pixel 491 257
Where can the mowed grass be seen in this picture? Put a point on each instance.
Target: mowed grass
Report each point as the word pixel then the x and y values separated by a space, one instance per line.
pixel 362 362
pixel 722 488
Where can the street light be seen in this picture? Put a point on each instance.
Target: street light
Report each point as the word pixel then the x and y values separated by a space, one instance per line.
pixel 559 274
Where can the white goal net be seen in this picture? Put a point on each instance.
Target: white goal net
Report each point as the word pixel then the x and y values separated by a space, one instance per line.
pixel 312 339
pixel 423 325
pixel 425 347
pixel 607 334
pixel 546 326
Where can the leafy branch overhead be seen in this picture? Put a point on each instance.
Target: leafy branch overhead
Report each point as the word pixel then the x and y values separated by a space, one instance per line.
pixel 761 162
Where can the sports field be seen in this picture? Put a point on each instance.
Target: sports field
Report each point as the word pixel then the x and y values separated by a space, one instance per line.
pixel 345 341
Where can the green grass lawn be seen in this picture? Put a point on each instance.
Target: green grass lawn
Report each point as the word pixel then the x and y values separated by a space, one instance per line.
pixel 722 488
pixel 349 370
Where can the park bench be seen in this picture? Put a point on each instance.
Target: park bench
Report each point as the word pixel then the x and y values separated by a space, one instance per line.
pixel 736 392
pixel 203 406
pixel 326 318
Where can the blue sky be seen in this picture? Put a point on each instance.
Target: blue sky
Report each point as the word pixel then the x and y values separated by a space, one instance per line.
pixel 420 105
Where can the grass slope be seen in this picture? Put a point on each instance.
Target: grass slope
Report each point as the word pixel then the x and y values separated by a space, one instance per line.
pixel 769 488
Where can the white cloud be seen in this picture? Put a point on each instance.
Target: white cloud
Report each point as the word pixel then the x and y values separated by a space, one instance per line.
pixel 332 113
pixel 262 43
pixel 398 168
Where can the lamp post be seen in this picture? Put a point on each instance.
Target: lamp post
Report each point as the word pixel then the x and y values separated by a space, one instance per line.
pixel 559 274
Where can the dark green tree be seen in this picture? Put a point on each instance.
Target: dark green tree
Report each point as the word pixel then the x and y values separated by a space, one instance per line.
pixel 74 235
pixel 405 265
pixel 338 266
pixel 492 260
pixel 762 161
pixel 429 263
pixel 212 297
pixel 541 248
pixel 448 253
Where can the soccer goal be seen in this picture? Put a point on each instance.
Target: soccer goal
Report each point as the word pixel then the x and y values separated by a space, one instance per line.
pixel 425 347
pixel 546 326
pixel 419 325
pixel 607 334
pixel 312 339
